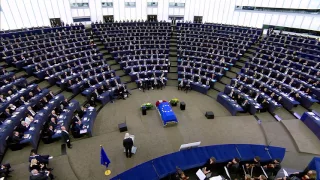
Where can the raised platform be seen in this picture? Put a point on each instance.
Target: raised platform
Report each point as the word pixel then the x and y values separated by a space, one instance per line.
pixel 305 139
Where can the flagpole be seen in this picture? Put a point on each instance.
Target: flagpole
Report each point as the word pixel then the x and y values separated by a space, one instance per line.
pixel 108 171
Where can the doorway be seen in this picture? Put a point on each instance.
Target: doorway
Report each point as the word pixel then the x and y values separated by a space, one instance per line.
pixel 152 18
pixel 197 19
pixel 55 22
pixel 108 19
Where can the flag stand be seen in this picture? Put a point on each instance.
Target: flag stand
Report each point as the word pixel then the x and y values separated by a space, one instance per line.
pixel 108 171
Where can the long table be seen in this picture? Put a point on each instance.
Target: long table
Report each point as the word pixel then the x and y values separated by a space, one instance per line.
pixel 32 135
pixel 231 105
pixel 160 167
pixel 65 118
pixel 312 120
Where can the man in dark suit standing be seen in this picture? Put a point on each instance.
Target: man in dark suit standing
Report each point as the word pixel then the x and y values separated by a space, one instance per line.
pixel 65 137
pixel 128 144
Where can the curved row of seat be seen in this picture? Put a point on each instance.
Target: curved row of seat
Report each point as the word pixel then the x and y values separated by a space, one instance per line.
pixel 203 58
pixel 141 49
pixel 279 75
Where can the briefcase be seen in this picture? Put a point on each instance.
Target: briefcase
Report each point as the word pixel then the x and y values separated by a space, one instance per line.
pixel 133 150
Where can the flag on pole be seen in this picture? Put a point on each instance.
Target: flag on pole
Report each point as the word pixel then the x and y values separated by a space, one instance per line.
pixel 104 160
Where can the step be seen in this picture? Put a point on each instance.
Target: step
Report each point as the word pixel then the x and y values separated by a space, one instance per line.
pixel 173 69
pixel 115 66
pixel 11 69
pixel 235 69
pixel 231 74
pixel 172 54
pixel 120 73
pixel 174 63
pixel 67 94
pixel 55 89
pixel 225 80
pixel 125 79
pixel 218 86
pixel 131 85
pixel 240 64
pixel 21 73
pixel 81 99
pixel 111 62
pixel 173 76
pixel 173 59
pixel 43 84
pixel 31 79
pixel 213 93
pixel 171 82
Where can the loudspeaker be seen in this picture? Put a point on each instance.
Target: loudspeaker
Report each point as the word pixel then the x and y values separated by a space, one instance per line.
pixel 209 115
pixel 122 127
pixel 182 106
pixel 144 111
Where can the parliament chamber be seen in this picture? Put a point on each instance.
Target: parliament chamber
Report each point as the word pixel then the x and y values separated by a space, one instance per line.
pixel 238 80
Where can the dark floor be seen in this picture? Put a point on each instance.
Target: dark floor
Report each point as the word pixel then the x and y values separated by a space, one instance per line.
pixel 153 140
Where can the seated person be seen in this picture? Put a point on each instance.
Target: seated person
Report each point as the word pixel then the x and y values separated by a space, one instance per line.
pixel 45 169
pixel 273 168
pixel 12 108
pixel 16 137
pixel 31 111
pixel 53 122
pixel 308 174
pixel 64 104
pixel 93 98
pixel 180 175
pixel 188 86
pixel 245 106
pixel 36 175
pixel 5 170
pixel 254 167
pixel 7 113
pixel 82 112
pixel 233 168
pixel 264 105
pixel 23 127
pixel 209 167
pixel 34 164
pixel 2 98
pixel 181 85
pixel 50 131
pixel 141 85
pixel 40 158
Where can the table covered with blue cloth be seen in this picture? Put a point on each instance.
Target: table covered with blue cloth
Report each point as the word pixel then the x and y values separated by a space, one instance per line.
pixel 163 166
pixel 19 82
pixel 231 105
pixel 166 113
pixel 65 118
pixel 32 135
pixel 15 97
pixel 8 126
pixel 312 120
pixel 88 120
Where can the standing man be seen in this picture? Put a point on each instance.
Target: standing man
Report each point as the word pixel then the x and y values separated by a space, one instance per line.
pixel 65 137
pixel 128 144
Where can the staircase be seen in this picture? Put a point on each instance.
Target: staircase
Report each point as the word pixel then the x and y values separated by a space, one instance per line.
pixel 125 79
pixel 173 71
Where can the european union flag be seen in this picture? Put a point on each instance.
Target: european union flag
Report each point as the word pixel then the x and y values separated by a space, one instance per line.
pixel 104 160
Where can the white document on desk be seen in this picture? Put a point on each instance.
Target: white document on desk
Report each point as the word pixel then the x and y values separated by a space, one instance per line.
pixel 285 173
pixel 201 175
pixel 83 131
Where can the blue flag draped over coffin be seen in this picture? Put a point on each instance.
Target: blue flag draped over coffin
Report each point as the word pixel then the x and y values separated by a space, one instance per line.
pixel 104 160
pixel 166 113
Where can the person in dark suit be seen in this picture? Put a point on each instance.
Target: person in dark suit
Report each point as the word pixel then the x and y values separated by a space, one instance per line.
pixel 273 168
pixel 255 166
pixel 5 170
pixel 128 144
pixel 40 158
pixel 78 127
pixel 36 175
pixel 264 105
pixel 65 103
pixel 44 169
pixel 209 167
pixel 22 101
pixel 245 106
pixel 65 137
pixel 7 113
pixel 233 168
pixel 93 98
pixel 16 137
pixel 53 122
pixel 82 112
